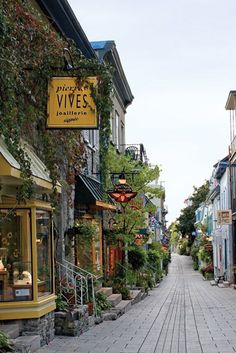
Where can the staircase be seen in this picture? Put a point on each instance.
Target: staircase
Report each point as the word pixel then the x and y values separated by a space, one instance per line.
pixel 22 344
pixel 119 306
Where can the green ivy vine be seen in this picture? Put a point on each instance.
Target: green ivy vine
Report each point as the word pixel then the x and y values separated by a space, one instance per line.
pixel 31 52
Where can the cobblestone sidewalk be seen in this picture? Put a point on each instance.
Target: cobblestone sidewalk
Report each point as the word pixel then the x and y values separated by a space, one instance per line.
pixel 183 315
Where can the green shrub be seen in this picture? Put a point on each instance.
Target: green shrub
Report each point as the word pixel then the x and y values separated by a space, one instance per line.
pixel 151 280
pixel 120 288
pixel 137 258
pixel 154 258
pixel 142 281
pixel 61 303
pixel 183 248
pixel 5 343
pixel 102 304
pixel 195 265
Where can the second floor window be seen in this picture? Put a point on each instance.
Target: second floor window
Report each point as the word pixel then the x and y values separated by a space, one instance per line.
pixel 91 137
pixel 117 130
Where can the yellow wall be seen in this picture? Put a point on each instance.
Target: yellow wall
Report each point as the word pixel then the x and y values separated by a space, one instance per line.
pixel 38 306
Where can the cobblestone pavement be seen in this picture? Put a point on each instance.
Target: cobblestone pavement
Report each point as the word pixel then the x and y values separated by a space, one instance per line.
pixel 185 314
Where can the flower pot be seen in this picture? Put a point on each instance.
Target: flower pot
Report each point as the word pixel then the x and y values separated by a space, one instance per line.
pixel 90 308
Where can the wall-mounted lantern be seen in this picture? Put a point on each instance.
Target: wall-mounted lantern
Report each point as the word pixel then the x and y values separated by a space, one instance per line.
pixel 122 191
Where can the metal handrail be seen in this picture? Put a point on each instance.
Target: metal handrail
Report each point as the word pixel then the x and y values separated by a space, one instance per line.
pixel 79 279
pixel 69 279
pixel 81 270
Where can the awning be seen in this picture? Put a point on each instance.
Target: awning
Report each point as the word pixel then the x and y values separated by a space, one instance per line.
pixel 89 191
pixel 10 173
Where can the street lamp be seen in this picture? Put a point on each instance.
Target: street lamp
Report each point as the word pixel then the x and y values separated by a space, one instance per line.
pixel 122 191
pixel 122 178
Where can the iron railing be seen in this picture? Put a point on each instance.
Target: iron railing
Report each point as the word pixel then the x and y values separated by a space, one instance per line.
pixel 137 152
pixel 76 283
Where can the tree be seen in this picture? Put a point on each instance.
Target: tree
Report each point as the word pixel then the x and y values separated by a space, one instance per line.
pixel 186 219
pixel 139 176
pixel 174 234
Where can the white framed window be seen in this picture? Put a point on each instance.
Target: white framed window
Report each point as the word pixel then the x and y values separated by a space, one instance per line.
pixel 117 130
pixel 92 138
pixel 122 136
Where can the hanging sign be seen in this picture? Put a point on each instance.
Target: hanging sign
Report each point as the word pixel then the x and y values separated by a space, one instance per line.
pixel 224 217
pixel 70 103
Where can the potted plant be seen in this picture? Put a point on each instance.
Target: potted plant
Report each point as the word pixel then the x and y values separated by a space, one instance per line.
pixel 90 302
pixel 90 307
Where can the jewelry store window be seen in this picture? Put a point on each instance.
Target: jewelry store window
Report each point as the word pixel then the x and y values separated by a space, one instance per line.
pixel 15 255
pixel 44 251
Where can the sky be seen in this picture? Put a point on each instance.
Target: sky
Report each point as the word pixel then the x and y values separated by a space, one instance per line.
pixel 179 59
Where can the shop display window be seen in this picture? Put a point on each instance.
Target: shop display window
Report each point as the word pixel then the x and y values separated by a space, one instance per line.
pixel 44 250
pixel 15 255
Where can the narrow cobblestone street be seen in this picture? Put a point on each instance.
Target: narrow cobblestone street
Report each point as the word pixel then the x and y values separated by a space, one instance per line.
pixel 185 314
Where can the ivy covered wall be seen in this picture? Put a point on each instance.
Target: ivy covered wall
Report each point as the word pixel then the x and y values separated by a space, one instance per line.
pixel 31 51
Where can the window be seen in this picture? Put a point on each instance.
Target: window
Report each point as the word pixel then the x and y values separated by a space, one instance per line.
pixel 122 137
pixel 117 130
pixel 112 120
pixel 15 255
pixel 44 246
pixel 91 137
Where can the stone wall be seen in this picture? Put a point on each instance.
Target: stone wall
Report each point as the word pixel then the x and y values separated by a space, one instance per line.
pixel 43 326
pixel 72 323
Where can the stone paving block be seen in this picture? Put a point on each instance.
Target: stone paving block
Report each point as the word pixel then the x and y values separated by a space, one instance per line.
pixel 181 311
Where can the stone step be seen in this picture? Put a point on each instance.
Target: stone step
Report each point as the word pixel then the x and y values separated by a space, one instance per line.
pixel 114 299
pixel 122 307
pixel 220 285
pixel 144 295
pixel 109 316
pixel 12 330
pixel 106 290
pixel 26 344
pixel 213 283
pixel 135 295
pixel 226 284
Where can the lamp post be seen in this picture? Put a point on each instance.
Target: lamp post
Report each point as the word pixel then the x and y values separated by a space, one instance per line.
pixel 122 193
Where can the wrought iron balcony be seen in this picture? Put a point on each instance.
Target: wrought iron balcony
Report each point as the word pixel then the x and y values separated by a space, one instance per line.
pixel 164 211
pixel 136 152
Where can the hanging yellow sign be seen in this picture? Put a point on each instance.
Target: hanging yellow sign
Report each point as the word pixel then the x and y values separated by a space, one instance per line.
pixel 70 103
